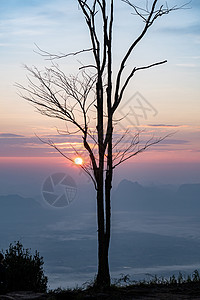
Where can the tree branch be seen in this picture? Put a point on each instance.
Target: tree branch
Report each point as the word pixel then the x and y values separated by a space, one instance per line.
pixel 128 153
pixel 148 16
pixel 51 56
pixel 132 74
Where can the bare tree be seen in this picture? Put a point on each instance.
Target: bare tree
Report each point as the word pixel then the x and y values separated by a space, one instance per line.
pixel 94 92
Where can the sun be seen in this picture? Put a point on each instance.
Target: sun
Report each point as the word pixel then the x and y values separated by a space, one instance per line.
pixel 78 161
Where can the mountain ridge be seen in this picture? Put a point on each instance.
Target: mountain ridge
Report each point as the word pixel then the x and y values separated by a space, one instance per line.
pixel 134 196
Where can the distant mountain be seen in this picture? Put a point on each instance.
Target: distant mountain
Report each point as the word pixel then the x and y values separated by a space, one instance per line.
pixel 189 191
pixel 9 201
pixel 133 196
pixel 188 196
pixel 20 210
pixel 129 196
pixel 17 209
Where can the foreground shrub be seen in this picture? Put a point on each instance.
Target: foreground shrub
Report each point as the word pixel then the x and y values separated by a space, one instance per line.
pixel 24 271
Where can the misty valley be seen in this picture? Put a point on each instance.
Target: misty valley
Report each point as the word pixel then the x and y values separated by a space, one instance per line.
pixel 155 230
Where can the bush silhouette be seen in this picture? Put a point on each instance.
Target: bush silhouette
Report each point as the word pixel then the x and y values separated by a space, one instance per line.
pixel 24 271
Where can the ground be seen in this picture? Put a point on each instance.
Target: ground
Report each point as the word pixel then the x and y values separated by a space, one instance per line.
pixel 168 292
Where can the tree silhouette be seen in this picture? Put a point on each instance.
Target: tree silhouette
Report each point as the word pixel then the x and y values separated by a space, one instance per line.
pixel 89 101
pixel 24 271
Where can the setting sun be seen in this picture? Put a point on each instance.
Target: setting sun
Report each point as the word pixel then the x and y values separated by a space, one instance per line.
pixel 78 161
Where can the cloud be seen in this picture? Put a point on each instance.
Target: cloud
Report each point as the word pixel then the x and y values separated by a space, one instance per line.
pixel 13 140
pixel 19 139
pixel 165 125
pixel 38 18
pixel 28 26
pixel 174 142
pixel 189 29
pixel 178 30
pixel 19 145
pixel 6 44
pixel 187 65
pixel 10 135
pixel 195 57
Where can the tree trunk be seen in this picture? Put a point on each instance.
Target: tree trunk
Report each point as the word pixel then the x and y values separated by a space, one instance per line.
pixel 103 275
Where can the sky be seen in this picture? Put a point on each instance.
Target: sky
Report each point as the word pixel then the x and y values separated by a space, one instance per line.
pixel 170 93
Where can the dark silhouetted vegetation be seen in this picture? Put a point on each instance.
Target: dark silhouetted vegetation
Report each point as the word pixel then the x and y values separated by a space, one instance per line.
pixel 24 271
pixel 174 287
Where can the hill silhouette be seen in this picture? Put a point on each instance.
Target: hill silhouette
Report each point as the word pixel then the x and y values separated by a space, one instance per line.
pixel 133 196
pixel 128 196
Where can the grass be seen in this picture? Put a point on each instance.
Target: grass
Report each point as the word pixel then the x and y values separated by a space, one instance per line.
pixel 124 288
pixel 172 280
